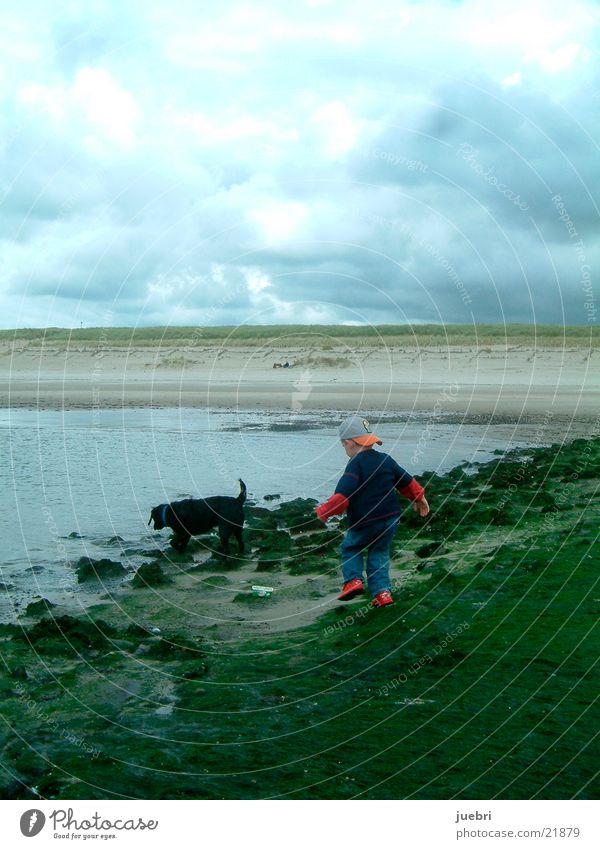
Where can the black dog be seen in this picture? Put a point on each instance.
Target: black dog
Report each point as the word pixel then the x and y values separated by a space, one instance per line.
pixel 198 515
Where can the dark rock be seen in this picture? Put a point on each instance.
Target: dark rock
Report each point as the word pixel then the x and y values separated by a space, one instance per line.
pixel 143 552
pixel 322 542
pixel 176 649
pixel 262 523
pixel 301 524
pixel 39 606
pixel 433 565
pixel 272 497
pixel 265 564
pixel 89 569
pixel 430 549
pixel 135 630
pixel 297 507
pixel 150 575
pixel 273 542
pixel 256 512
pixel 6 587
pixel 124 645
pixel 19 673
pixel 67 633
pixel 17 790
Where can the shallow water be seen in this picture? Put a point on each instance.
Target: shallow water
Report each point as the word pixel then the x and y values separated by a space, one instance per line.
pixel 73 480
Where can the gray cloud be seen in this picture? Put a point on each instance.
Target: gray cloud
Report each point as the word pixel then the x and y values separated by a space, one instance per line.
pixel 301 164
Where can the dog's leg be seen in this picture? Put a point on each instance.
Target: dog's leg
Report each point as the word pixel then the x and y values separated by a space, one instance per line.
pixel 224 533
pixel 240 540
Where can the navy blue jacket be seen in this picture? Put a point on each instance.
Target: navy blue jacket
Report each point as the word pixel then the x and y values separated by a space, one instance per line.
pixel 369 483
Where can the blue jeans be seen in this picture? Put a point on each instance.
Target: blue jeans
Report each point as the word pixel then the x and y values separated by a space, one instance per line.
pixel 375 539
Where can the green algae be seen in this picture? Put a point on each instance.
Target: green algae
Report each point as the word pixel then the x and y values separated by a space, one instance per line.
pixel 478 683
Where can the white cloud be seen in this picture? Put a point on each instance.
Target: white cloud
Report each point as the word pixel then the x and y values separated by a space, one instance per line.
pixel 94 100
pixel 336 127
pixel 513 79
pixel 555 60
pixel 279 221
pixel 106 103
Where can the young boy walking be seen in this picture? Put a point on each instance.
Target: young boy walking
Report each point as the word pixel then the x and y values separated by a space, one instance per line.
pixel 367 491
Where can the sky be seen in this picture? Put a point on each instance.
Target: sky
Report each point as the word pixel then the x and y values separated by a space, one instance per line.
pixel 321 162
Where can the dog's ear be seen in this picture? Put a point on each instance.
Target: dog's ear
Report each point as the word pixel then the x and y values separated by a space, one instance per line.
pixel 151 515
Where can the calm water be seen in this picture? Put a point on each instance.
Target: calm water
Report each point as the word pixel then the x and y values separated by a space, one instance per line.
pixel 97 474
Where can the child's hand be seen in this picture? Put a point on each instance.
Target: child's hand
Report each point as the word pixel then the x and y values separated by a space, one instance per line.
pixel 422 507
pixel 334 506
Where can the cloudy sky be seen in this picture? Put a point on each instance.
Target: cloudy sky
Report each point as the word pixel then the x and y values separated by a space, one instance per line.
pixel 319 161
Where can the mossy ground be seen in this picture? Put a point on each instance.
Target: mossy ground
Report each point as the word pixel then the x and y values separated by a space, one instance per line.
pixel 480 682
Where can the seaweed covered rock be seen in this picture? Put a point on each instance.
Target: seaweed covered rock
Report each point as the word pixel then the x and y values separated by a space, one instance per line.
pixel 38 606
pixel 324 541
pixel 258 531
pixel 313 564
pixel 67 634
pixel 275 542
pixel 275 549
pixel 298 515
pixel 88 569
pixel 176 648
pixel 430 549
pixel 150 575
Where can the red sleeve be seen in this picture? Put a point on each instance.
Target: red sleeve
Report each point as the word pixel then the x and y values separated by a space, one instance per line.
pixel 334 506
pixel 414 491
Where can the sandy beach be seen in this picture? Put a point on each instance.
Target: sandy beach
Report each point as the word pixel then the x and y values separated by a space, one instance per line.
pixel 493 380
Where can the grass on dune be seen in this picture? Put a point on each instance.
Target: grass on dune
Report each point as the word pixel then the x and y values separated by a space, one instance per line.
pixel 318 337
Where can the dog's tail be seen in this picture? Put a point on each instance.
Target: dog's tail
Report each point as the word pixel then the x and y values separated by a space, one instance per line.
pixel 242 496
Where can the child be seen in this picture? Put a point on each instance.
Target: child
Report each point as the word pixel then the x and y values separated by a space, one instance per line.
pixel 367 490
